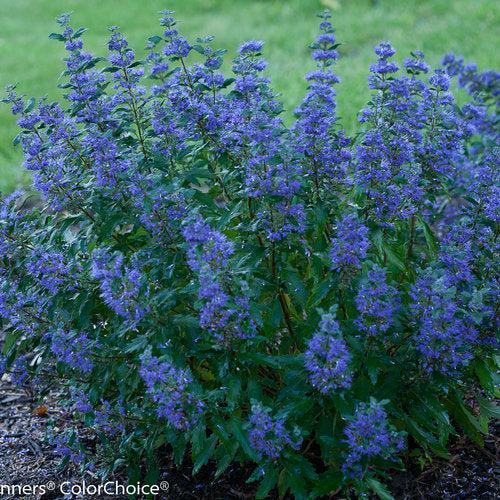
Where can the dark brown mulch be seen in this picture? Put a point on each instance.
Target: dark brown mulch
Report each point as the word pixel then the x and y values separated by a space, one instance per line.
pixel 471 473
pixel 26 457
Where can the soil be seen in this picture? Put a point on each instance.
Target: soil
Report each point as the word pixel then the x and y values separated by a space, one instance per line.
pixel 27 457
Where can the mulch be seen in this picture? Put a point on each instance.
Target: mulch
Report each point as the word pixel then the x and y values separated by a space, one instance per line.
pixel 27 457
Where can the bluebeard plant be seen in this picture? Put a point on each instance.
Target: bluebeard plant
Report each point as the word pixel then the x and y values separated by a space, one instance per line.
pixel 327 357
pixel 120 284
pixel 169 388
pixel 268 434
pixel 173 267
pixel 72 349
pixel 318 138
pixel 350 243
pixel 377 303
pixel 369 436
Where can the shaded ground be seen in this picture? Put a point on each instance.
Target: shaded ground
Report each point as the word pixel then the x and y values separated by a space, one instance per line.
pixel 26 457
pixel 472 473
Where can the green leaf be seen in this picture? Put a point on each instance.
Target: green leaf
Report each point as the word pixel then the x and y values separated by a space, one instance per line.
pixel 57 36
pixel 329 482
pixel 138 344
pixel 487 375
pixel 425 438
pixel 319 293
pixel 10 340
pixel 489 409
pixel 179 448
pixel 465 418
pixel 226 459
pixel 205 454
pixel 155 39
pixel 297 485
pixel 295 286
pixel 379 489
pixel 267 484
pixel 372 367
pixel 152 472
pixel 235 426
pixel 429 235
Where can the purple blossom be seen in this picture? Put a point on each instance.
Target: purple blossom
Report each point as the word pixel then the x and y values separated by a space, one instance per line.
pixel 73 349
pixel 324 148
pixel 225 316
pixel 108 164
pixel 9 218
pixel 69 447
pixel 3 365
pixel 383 66
pixel 49 269
pixel 350 244
pixel 445 337
pixel 19 370
pixel 120 284
pixel 169 387
pixel 282 220
pixel 81 401
pixel 377 303
pixel 384 50
pixel 22 310
pixel 268 434
pixel 208 248
pixel 251 47
pixel 368 436
pixel 416 64
pixel 440 80
pixel 161 211
pixel 105 419
pixel 327 357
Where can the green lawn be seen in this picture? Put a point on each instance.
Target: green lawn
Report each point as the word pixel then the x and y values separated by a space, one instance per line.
pixel 29 58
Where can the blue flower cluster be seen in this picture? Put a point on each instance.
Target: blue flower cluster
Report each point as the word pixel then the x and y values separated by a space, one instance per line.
pixel 10 217
pixel 324 148
pixel 73 349
pixel 225 316
pixel 327 357
pixel 50 270
pixel 445 336
pixel 120 284
pixel 377 303
pixel 400 158
pixel 268 434
pixel 69 447
pixel 169 387
pixel 350 244
pixel 22 310
pixel 369 436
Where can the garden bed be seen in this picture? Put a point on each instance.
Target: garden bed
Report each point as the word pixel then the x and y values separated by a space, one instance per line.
pixel 26 457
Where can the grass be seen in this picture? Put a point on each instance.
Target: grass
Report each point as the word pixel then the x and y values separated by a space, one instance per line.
pixel 29 58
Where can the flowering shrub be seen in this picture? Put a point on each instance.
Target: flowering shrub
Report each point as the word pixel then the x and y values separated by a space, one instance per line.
pixel 206 280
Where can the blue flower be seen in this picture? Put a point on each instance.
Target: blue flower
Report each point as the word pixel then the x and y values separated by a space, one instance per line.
pixel 169 388
pixel 268 434
pixel 368 436
pixel 120 284
pixel 445 336
pixel 324 148
pixel 350 244
pixel 377 302
pixel 327 357
pixel 73 349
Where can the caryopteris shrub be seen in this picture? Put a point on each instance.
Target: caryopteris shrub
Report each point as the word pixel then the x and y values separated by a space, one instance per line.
pixel 205 280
